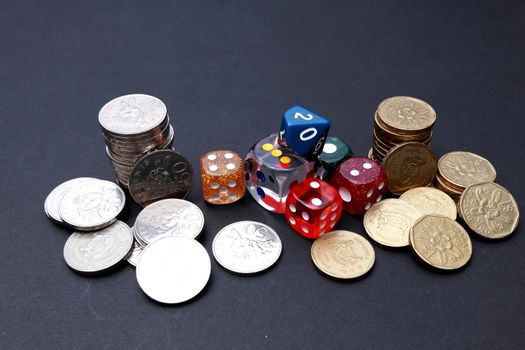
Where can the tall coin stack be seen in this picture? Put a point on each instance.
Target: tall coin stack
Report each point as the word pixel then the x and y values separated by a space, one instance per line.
pixel 133 125
pixel 398 120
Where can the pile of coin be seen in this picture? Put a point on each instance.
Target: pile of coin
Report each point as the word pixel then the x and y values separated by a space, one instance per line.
pixel 398 120
pixel 458 170
pixel 134 125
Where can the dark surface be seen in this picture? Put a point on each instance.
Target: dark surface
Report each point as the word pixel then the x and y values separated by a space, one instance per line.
pixel 227 72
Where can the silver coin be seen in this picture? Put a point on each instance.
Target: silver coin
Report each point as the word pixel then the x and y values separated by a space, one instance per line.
pixel 92 205
pixel 158 175
pixel 173 269
pixel 98 250
pixel 132 114
pixel 125 139
pixel 247 247
pixel 168 217
pixel 136 252
pixel 53 198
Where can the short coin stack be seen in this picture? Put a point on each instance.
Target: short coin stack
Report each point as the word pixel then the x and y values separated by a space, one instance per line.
pixel 398 120
pixel 133 125
pixel 458 170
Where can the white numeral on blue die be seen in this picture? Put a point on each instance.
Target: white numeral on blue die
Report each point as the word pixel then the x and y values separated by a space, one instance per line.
pixel 303 131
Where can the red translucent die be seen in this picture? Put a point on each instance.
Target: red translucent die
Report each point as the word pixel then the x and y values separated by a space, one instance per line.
pixel 313 207
pixel 361 182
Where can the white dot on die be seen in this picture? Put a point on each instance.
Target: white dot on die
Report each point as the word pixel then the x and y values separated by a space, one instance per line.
pixel 329 148
pixel 316 201
pixel 323 224
pixel 230 166
pixel 228 156
pixel 212 157
pixel 334 215
pixel 215 198
pixel 379 198
pixel 232 183
pixel 305 229
pixel 233 196
pixel 367 166
pixel 322 233
pixel 368 206
pixel 292 208
pixel 305 215
pixel 213 167
pixel 332 224
pixel 369 194
pixel 292 220
pixel 381 185
pixel 324 215
pixel 314 184
pixel 224 190
pixel 354 172
pixel 334 207
pixel 345 195
pixel 214 185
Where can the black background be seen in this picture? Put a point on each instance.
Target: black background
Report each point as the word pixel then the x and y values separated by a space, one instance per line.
pixel 227 71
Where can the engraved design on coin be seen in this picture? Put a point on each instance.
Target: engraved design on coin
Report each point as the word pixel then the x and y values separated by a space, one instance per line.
pixel 132 114
pixel 465 169
pixel 431 201
pixel 168 217
pixel 247 247
pixel 158 175
pixel 441 242
pixel 343 254
pixel 98 250
pixel 92 205
pixel 388 222
pixel 52 201
pixel 406 113
pixel 489 210
pixel 173 269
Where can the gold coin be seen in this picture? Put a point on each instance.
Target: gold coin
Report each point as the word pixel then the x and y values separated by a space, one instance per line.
pixel 371 154
pixel 440 242
pixel 431 201
pixel 343 254
pixel 489 209
pixel 385 133
pixel 464 169
pixel 409 165
pixel 406 113
pixel 388 222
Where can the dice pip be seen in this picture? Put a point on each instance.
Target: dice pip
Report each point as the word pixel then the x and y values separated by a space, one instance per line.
pixel 335 151
pixel 304 132
pixel 361 182
pixel 222 177
pixel 271 170
pixel 313 207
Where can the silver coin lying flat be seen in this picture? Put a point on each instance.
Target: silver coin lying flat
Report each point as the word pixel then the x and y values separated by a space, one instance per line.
pixel 168 217
pixel 132 114
pixel 92 205
pixel 158 175
pixel 53 198
pixel 247 247
pixel 100 250
pixel 173 269
pixel 136 252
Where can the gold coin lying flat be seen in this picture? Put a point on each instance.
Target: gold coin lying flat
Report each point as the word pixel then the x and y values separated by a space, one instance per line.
pixel 343 254
pixel 464 169
pixel 489 210
pixel 409 165
pixel 431 201
pixel 388 222
pixel 404 113
pixel 440 242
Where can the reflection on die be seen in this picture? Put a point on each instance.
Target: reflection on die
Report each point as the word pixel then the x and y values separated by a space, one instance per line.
pixel 361 182
pixel 271 170
pixel 222 177
pixel 313 207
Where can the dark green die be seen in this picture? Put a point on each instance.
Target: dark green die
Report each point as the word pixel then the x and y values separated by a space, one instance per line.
pixel 335 151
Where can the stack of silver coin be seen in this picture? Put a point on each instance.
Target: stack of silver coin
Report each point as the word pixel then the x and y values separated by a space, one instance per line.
pixel 133 125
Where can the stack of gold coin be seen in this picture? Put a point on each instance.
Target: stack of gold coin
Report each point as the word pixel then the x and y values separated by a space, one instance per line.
pixel 458 170
pixel 398 120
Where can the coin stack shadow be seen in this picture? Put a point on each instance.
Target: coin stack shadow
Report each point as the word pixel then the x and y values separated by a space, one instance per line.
pixel 386 136
pixel 124 150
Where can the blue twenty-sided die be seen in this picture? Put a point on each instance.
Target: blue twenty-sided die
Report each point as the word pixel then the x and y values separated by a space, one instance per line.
pixel 303 131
